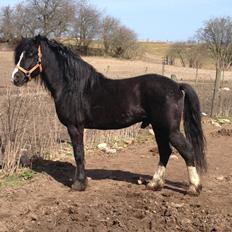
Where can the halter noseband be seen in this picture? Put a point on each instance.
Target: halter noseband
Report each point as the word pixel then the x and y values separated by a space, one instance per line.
pixel 38 65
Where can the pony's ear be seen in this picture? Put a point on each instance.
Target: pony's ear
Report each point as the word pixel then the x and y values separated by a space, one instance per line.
pixel 21 38
pixel 38 39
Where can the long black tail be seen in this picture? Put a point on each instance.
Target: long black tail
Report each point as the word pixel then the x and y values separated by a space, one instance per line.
pixel 192 126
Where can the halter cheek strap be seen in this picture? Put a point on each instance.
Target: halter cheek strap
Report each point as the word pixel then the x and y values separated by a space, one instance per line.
pixel 38 65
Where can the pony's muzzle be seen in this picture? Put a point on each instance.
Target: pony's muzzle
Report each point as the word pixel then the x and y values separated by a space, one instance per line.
pixel 19 79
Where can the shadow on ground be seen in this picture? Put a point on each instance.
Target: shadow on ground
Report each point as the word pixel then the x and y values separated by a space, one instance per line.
pixel 63 172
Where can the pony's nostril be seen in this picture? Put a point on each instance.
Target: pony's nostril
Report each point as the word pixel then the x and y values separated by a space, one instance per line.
pixel 17 75
pixel 17 78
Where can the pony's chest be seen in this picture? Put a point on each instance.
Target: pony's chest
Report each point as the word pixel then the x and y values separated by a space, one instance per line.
pixel 68 111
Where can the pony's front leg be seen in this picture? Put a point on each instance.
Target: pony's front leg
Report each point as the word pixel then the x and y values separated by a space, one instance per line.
pixel 76 135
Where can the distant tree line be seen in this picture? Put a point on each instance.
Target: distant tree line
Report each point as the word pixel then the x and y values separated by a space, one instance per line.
pixel 191 54
pixel 213 40
pixel 67 19
pixel 217 35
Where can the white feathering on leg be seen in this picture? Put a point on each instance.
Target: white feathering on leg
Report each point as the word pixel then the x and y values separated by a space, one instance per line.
pixel 160 173
pixel 193 176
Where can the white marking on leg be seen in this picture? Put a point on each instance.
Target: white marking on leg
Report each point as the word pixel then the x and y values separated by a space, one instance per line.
pixel 16 69
pixel 157 181
pixel 160 173
pixel 193 176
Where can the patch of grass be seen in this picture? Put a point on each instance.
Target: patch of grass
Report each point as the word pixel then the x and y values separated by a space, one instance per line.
pixel 144 136
pixel 27 174
pixel 156 48
pixel 17 179
pixel 224 119
pixel 69 154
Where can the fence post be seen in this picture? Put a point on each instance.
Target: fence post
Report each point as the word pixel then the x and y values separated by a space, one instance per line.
pixel 107 69
pixel 196 75
pixel 174 77
pixel 163 65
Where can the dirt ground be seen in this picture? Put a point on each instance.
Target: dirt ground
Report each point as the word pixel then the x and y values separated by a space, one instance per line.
pixel 114 201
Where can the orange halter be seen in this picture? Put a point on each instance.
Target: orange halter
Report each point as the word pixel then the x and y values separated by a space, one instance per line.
pixel 38 65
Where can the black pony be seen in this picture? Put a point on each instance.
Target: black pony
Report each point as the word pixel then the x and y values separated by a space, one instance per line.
pixel 84 98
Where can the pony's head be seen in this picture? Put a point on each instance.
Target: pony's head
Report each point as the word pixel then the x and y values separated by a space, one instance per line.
pixel 28 58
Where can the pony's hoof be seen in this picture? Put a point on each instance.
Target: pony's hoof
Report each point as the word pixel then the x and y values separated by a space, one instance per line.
pixel 79 185
pixel 155 185
pixel 194 191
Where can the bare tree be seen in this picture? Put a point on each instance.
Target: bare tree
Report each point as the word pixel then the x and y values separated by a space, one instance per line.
pixel 124 42
pixel 217 34
pixel 178 50
pixel 7 26
pixel 109 27
pixel 87 24
pixel 53 17
pixel 196 53
pixel 26 24
pixel 190 53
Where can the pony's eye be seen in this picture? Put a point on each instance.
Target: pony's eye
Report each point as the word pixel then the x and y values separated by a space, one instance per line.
pixel 30 54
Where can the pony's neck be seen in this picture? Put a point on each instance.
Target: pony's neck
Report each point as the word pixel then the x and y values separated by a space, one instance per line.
pixel 51 74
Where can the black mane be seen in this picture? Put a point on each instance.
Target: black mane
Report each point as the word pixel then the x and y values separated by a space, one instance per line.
pixel 77 72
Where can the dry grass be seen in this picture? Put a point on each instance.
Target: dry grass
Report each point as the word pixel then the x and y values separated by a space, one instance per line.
pixel 115 68
pixel 155 51
pixel 156 48
pixel 6 67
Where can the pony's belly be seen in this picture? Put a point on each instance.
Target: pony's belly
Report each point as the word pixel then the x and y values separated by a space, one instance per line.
pixel 110 126
pixel 114 123
pixel 114 117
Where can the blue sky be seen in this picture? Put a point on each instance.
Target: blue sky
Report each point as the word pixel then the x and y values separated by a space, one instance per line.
pixel 161 20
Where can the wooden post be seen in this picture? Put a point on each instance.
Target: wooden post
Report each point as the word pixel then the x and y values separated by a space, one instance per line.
pixel 107 69
pixel 174 77
pixel 196 75
pixel 220 95
pixel 163 66
pixel 214 105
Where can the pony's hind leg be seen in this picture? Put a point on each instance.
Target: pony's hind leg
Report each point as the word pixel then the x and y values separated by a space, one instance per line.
pixel 162 139
pixel 185 149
